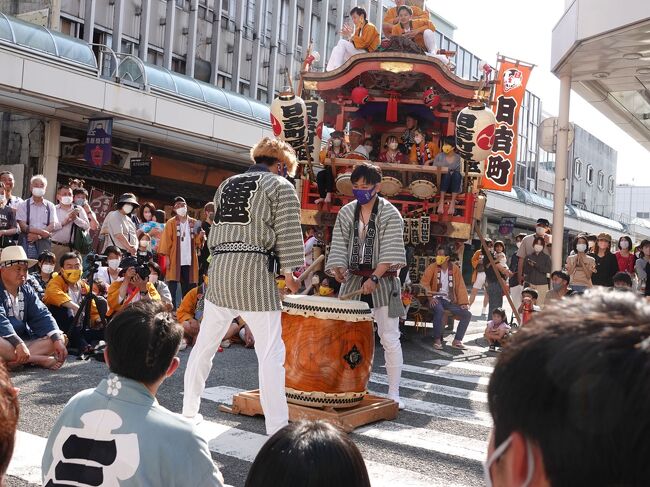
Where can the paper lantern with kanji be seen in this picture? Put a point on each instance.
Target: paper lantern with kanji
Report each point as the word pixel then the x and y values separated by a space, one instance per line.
pixel 359 95
pixel 431 97
pixel 289 119
pixel 475 127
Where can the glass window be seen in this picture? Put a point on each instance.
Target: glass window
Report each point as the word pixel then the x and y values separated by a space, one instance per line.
pixel 601 180
pixel 611 184
pixel 578 168
pixel 284 20
pixel 301 19
pixel 250 12
pixel 590 174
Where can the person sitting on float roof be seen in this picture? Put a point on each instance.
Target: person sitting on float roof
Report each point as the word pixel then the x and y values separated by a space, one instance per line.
pixel 361 38
pixel 391 18
pixel 420 31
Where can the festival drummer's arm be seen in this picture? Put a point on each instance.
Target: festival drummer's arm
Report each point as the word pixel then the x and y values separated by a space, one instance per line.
pixel 337 260
pixel 289 245
pixel 391 236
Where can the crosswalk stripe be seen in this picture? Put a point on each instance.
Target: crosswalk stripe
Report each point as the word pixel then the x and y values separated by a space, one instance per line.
pixel 26 459
pixel 461 365
pixel 472 379
pixel 441 390
pixel 426 439
pixel 223 394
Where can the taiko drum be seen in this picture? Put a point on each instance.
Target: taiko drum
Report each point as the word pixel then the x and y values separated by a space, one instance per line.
pixel 330 348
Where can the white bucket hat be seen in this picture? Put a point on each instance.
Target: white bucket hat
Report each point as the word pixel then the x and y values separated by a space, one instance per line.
pixel 14 254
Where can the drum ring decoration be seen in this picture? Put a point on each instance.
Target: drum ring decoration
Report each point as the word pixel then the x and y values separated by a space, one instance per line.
pixel 353 357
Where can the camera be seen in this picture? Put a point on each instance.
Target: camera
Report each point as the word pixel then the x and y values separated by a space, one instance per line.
pixel 140 264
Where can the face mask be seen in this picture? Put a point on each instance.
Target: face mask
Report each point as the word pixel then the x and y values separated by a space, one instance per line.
pixel 324 291
pixel 540 231
pixel 581 247
pixel 66 200
pixel 144 243
pixel 153 278
pixel 393 145
pixel 624 244
pixel 447 148
pixel 487 476
pixel 556 286
pixel 47 268
pixel 38 192
pixel 114 264
pixel 417 139
pixel 368 148
pixel 441 259
pixel 127 208
pixel 282 284
pixel 182 211
pixel 364 196
pixel 80 201
pixel 518 244
pixel 72 276
pixel 538 248
pixel 336 142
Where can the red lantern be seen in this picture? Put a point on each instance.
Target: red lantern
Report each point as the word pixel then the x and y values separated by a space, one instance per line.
pixel 360 95
pixel 431 98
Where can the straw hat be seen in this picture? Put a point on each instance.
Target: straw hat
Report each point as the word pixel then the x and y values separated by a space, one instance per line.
pixel 14 254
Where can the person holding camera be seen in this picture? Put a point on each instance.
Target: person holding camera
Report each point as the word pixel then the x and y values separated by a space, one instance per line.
pixel 133 288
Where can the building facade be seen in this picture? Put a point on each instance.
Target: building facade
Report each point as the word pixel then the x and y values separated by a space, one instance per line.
pixel 633 202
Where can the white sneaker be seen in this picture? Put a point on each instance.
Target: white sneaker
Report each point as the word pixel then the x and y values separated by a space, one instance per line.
pixel 400 403
pixel 194 419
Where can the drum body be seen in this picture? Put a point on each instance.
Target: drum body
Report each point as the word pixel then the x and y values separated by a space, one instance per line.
pixel 330 347
pixel 343 183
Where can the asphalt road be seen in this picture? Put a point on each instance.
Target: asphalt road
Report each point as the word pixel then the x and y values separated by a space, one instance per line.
pixel 440 439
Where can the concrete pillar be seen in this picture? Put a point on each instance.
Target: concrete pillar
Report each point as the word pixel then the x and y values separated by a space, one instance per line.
pixel 89 20
pixel 292 26
pixel 324 27
pixel 55 15
pixel 273 50
pixel 257 39
pixel 51 145
pixel 379 15
pixel 306 29
pixel 191 40
pixel 215 47
pixel 143 47
pixel 561 158
pixel 340 14
pixel 170 21
pixel 118 25
pixel 240 18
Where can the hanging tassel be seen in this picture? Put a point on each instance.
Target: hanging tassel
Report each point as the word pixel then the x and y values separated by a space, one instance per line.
pixel 391 108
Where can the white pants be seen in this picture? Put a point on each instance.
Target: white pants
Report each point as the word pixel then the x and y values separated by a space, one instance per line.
pixel 430 41
pixel 388 330
pixel 343 51
pixel 269 347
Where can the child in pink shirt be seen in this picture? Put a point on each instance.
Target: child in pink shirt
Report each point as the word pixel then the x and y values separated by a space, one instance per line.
pixel 497 330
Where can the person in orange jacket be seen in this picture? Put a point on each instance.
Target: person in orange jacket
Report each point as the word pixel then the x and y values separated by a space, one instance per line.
pixel 418 30
pixel 363 37
pixel 391 18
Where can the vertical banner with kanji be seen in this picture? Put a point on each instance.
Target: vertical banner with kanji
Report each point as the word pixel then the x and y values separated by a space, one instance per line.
pixel 509 95
pixel 99 137
pixel 101 203
pixel 315 113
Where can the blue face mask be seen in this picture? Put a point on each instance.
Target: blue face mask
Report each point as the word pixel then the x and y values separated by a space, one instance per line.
pixel 364 196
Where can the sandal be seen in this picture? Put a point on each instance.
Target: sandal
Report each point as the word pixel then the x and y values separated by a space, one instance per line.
pixel 437 346
pixel 458 345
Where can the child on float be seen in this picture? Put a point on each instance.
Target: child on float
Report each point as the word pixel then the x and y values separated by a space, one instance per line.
pixel 452 180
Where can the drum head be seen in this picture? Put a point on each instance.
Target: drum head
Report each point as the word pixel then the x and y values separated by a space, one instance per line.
pixel 356 156
pixel 343 184
pixel 390 186
pixel 422 189
pixel 326 308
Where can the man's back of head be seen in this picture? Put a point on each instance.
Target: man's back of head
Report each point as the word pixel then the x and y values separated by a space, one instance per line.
pixel 571 391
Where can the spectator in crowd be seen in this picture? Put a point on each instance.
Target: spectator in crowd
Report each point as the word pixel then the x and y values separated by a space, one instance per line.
pixel 569 397
pixel 8 183
pixel 528 305
pixel 42 273
pixel 592 240
pixel 622 280
pixel 444 282
pixel 542 229
pixel 141 346
pixel 8 420
pixel 500 254
pixel 641 265
pixel 308 453
pixel 132 288
pixel 28 332
pixel 146 213
pixel 144 253
pixel 492 273
pixel 624 256
pixel 69 216
pixel 559 287
pixel 8 227
pixel 180 242
pixel 606 263
pixel 64 295
pixel 37 218
pixel 513 282
pixel 580 266
pixel 150 225
pixel 497 330
pixel 119 229
pixel 206 225
pixel 537 266
pixel 80 196
pixel 111 272
pixel 160 285
pixel 478 277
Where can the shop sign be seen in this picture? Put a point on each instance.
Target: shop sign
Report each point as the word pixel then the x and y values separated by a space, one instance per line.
pixel 98 150
pixel 140 166
pixel 509 94
pixel 101 203
pixel 507 225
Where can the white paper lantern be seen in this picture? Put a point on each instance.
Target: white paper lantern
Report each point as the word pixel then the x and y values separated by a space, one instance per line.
pixel 289 119
pixel 475 128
